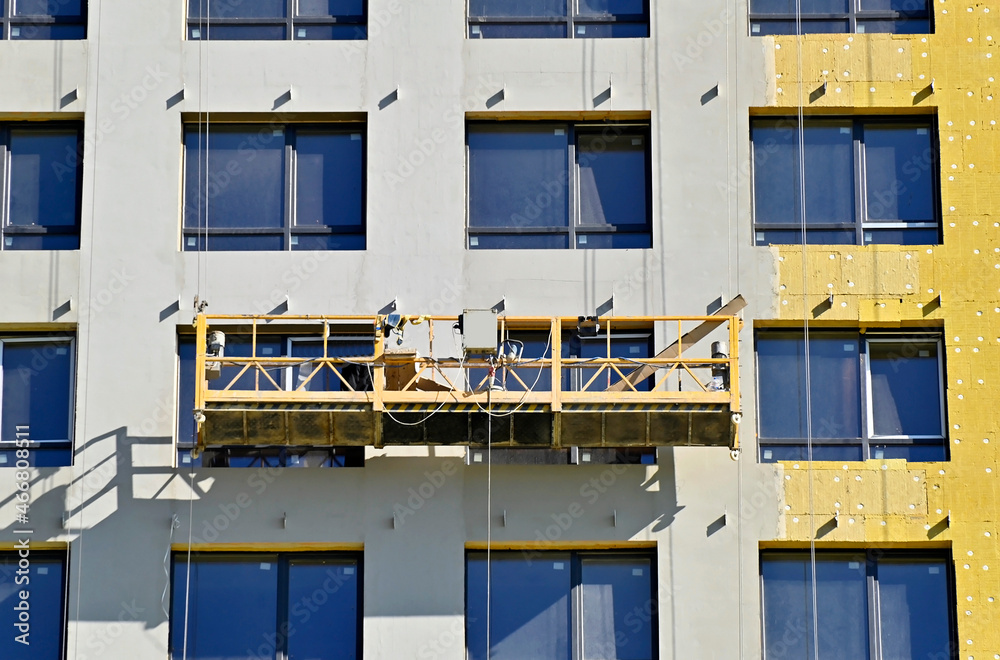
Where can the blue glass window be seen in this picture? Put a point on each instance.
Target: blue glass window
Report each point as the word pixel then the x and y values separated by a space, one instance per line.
pixel 269 605
pixel 259 20
pixel 906 389
pixel 40 176
pixel 875 605
pixel 557 186
pixel 870 396
pixel 238 180
pixel 537 598
pixel 36 400
pixel 42 574
pixel 43 19
pixel 823 16
pixel 555 19
pixel 867 181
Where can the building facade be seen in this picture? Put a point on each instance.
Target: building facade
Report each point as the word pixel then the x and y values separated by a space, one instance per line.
pixel 356 159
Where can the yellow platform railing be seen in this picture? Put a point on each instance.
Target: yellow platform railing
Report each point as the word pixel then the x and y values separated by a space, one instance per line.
pixel 403 381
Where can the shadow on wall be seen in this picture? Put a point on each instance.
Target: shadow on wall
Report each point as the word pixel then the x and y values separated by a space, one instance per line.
pixel 89 508
pixel 554 505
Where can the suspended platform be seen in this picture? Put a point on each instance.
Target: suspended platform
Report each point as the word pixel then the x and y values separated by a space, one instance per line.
pixel 342 381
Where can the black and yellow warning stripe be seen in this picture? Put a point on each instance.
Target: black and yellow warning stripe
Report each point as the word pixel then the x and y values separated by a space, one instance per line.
pixel 642 407
pixel 289 407
pixel 465 407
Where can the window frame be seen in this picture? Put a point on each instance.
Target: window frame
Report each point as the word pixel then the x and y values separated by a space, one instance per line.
pixel 290 22
pixel 865 392
pixel 288 230
pixel 6 167
pixel 853 14
pixel 283 560
pixel 574 226
pixel 571 20
pixel 861 222
pixel 869 413
pixel 55 556
pixel 872 558
pixel 61 444
pixel 576 559
pixel 8 21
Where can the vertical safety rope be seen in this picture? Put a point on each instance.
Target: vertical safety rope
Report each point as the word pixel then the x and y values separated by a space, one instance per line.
pixel 90 315
pixel 731 94
pixel 187 577
pixel 203 27
pixel 489 503
pixel 208 136
pixel 201 85
pixel 805 326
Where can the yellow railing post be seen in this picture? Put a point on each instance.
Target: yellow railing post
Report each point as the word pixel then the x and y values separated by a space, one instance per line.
pixel 201 383
pixel 378 367
pixel 253 354
pixel 734 364
pixel 734 378
pixel 556 375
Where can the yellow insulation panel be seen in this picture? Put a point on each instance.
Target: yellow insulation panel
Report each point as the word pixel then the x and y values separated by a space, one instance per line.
pixel 954 286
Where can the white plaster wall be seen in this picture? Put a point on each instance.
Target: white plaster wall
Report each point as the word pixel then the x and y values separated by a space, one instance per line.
pixel 130 272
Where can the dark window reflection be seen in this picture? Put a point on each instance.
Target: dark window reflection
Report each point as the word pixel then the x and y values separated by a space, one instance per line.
pixel 865 181
pixel 238 180
pixel 45 583
pixel 294 605
pixel 910 603
pixel 37 389
pixel 535 596
pixel 531 185
pixel 878 397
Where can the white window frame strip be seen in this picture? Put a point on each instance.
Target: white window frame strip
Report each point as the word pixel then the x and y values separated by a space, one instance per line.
pixel 868 384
